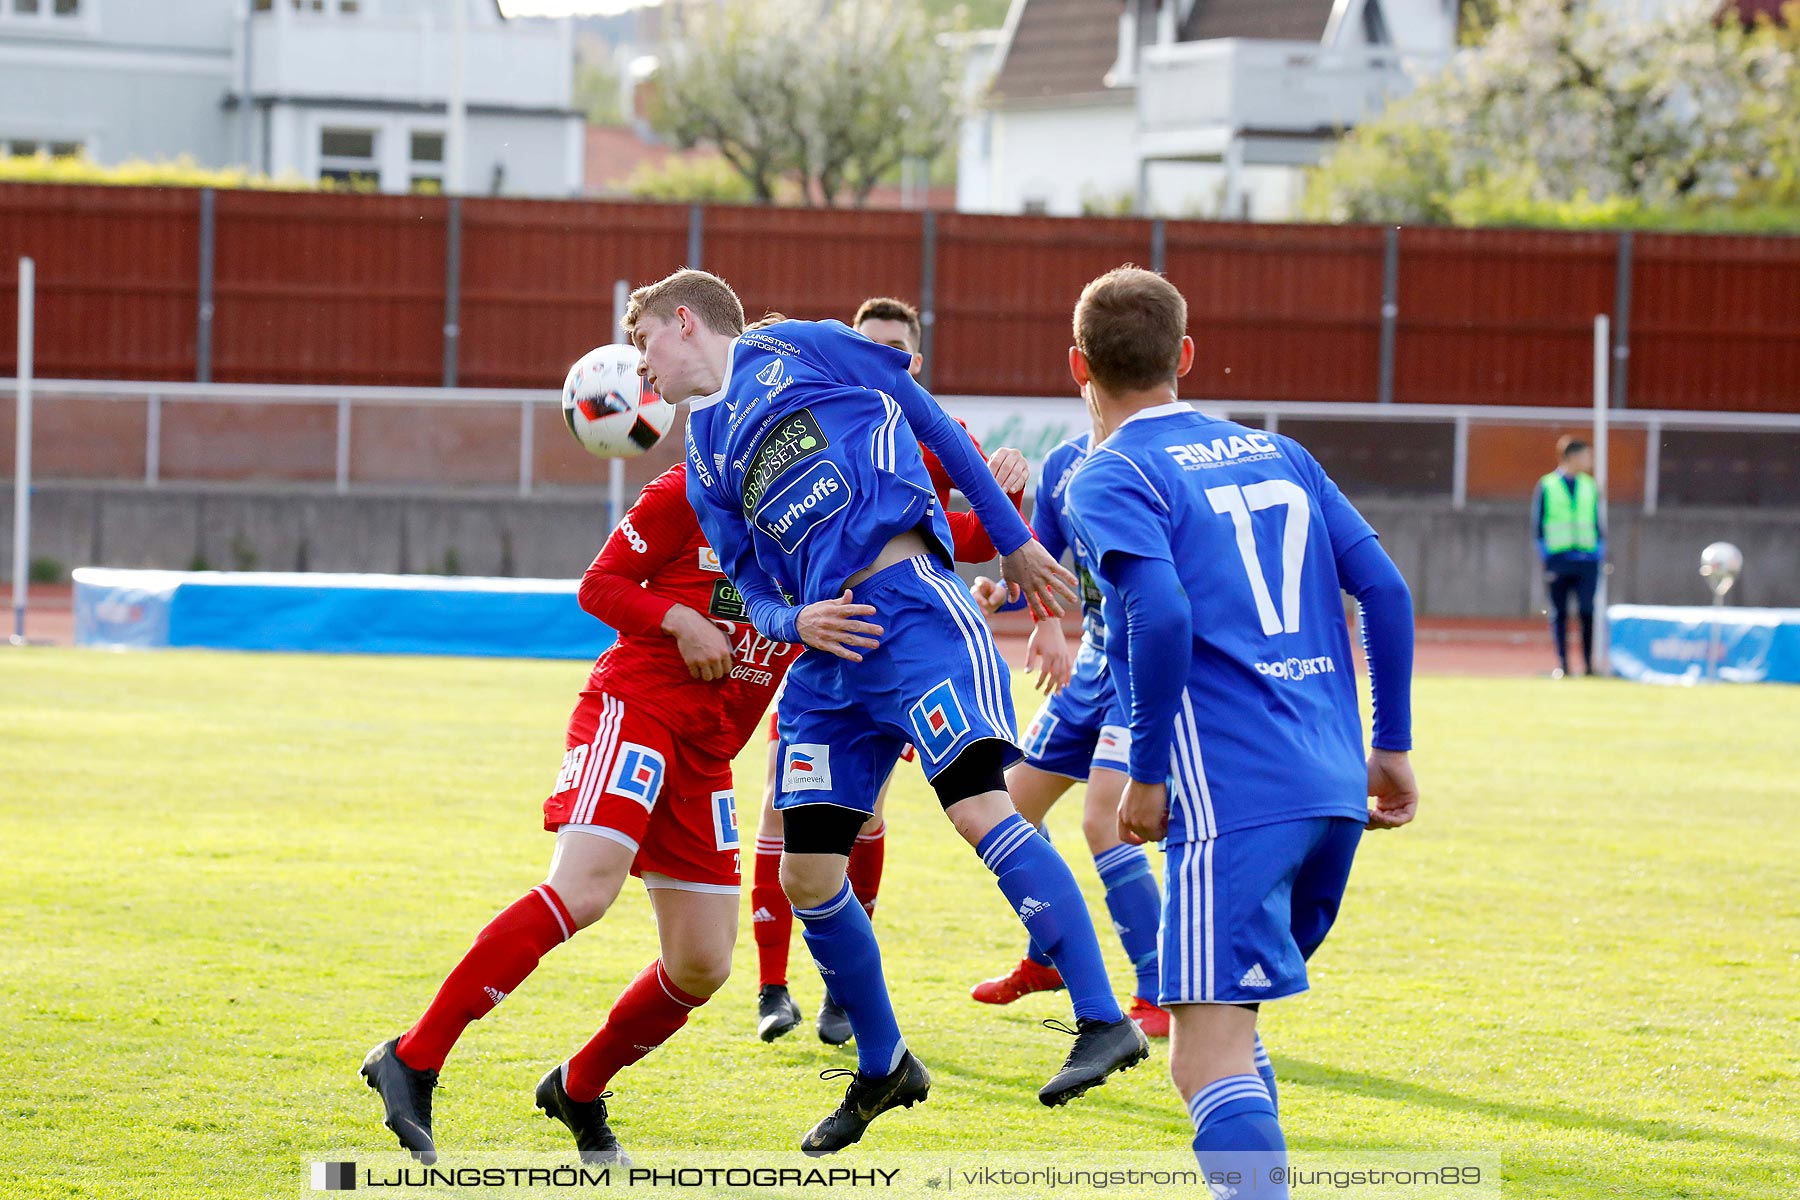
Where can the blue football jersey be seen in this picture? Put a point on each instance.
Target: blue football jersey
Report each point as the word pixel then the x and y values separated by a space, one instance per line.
pixel 1050 521
pixel 806 462
pixel 1268 728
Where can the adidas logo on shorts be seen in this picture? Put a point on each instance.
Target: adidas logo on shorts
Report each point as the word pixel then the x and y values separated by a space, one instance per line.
pixel 1029 908
pixel 1254 978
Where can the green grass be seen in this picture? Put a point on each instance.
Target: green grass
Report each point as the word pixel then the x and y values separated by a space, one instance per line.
pixel 228 875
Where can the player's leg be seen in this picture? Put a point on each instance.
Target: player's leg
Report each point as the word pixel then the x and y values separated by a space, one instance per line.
pixel 689 864
pixel 1587 584
pixel 864 872
pixel 1133 898
pixel 1212 1064
pixel 771 916
pixel 586 872
pixel 1042 890
pixel 1562 587
pixel 1033 791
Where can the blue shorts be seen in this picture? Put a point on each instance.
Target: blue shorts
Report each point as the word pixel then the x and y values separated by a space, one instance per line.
pixel 1083 725
pixel 937 681
pixel 1244 911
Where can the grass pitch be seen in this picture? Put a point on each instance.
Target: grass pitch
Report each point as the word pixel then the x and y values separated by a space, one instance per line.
pixel 228 875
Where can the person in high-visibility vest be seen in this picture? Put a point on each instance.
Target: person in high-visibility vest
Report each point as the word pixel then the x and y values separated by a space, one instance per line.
pixel 1565 522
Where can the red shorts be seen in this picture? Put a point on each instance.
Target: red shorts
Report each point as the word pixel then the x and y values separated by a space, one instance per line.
pixel 907 752
pixel 627 778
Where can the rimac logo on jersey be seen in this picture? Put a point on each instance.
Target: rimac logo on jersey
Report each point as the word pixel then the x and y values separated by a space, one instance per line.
pixel 1251 447
pixel 806 768
pixel 819 492
pixel 638 775
pixel 794 439
pixel 727 602
pixel 938 720
pixel 725 827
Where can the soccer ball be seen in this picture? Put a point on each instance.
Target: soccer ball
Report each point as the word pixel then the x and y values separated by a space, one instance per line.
pixel 605 406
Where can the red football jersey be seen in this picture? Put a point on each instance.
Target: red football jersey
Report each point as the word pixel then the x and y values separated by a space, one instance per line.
pixel 971 543
pixel 658 558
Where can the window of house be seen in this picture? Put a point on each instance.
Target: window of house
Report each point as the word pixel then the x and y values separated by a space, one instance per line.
pixel 41 10
pixel 427 161
pixel 348 156
pixel 317 6
pixel 263 5
pixel 29 147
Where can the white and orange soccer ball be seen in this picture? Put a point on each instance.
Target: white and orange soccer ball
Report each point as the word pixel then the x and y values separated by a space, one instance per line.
pixel 605 405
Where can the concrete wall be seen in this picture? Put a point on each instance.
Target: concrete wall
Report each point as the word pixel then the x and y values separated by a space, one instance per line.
pixel 1476 563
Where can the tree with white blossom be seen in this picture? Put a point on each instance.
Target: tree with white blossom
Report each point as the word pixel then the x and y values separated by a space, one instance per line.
pixel 1582 105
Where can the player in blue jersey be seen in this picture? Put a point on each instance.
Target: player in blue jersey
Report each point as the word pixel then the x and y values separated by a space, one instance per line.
pixel 1222 553
pixel 1080 735
pixel 805 471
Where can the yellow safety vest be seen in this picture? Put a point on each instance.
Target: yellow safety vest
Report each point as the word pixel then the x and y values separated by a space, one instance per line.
pixel 1570 522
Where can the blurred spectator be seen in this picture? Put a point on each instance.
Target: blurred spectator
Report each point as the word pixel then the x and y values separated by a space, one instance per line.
pixel 1565 522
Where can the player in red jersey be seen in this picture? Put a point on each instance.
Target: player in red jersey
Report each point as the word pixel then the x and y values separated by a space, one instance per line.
pixel 645 789
pixel 892 323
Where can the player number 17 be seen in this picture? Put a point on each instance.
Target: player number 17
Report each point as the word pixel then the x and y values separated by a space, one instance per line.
pixel 1238 503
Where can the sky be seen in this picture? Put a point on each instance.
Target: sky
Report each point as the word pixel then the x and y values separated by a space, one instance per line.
pixel 570 8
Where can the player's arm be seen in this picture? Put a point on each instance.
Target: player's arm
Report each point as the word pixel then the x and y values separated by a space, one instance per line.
pixel 835 625
pixel 969 541
pixel 1047 651
pixel 655 530
pixel 1367 573
pixel 1127 525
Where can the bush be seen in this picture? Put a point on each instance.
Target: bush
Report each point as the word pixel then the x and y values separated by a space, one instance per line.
pixel 182 172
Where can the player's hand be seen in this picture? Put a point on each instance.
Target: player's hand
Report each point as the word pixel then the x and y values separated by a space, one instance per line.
pixel 704 647
pixel 988 594
pixel 1044 582
pixel 1047 653
pixel 1144 812
pixel 1010 469
pixel 1392 788
pixel 832 626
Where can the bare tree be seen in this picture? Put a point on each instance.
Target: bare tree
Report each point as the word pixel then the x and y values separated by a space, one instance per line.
pixel 833 94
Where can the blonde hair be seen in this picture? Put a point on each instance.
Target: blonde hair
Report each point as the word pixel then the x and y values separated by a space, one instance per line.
pixel 705 295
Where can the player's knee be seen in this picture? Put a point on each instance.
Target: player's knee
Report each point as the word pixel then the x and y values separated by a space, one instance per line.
pixel 699 972
pixel 588 895
pixel 810 880
pixel 1101 829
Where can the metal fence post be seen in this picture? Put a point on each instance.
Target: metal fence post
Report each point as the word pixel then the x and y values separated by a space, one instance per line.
pixel 696 236
pixel 1159 245
pixel 1459 465
pixel 527 431
pixel 1621 320
pixel 343 446
pixel 1390 311
pixel 1652 466
pixel 927 295
pixel 153 440
pixel 452 291
pixel 203 329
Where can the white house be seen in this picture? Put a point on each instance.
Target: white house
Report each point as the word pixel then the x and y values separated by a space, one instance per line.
pixel 336 88
pixel 1184 107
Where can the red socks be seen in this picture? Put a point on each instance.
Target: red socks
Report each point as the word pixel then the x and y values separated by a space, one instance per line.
pixel 771 916
pixel 866 859
pixel 646 1014
pixel 505 952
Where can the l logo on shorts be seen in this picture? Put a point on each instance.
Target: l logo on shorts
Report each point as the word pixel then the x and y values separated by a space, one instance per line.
pixel 807 768
pixel 938 720
pixel 638 775
pixel 725 826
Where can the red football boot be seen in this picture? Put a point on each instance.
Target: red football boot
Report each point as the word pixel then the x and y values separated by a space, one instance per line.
pixel 1152 1020
pixel 1022 980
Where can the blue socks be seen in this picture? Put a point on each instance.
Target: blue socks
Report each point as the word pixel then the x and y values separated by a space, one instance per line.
pixel 1235 1117
pixel 1135 903
pixel 1266 1069
pixel 843 945
pixel 1041 889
